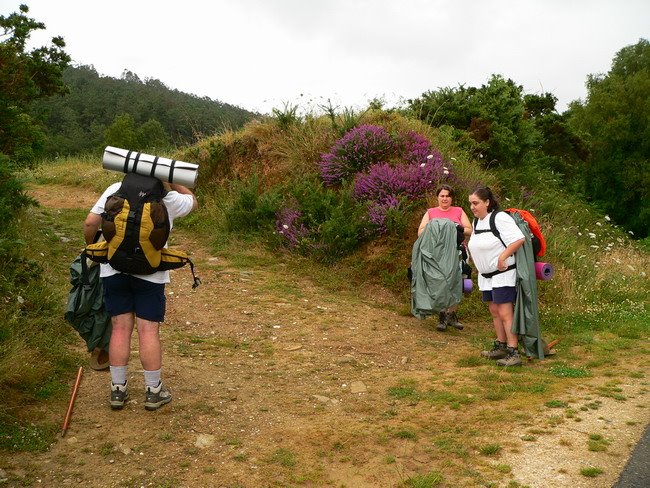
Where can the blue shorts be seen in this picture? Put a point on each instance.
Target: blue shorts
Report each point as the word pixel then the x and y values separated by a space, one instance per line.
pixel 124 293
pixel 502 294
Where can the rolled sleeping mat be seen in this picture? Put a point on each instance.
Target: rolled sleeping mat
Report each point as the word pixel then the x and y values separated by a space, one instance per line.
pixel 467 285
pixel 169 170
pixel 544 271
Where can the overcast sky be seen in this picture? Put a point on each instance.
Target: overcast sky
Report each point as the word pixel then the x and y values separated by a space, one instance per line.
pixel 261 54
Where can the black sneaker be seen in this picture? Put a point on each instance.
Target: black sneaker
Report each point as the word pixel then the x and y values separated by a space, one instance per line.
pixel 498 351
pixel 156 397
pixel 119 395
pixel 452 321
pixel 512 359
pixel 442 321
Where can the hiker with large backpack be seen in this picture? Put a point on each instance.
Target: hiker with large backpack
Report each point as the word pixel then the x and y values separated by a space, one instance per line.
pixel 134 272
pixel 445 210
pixel 494 259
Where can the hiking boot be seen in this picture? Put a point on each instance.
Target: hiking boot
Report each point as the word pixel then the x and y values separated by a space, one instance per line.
pixel 512 359
pixel 452 321
pixel 442 321
pixel 499 351
pixel 156 397
pixel 119 395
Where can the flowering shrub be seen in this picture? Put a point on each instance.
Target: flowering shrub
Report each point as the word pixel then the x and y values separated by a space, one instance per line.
pixel 355 151
pixel 412 181
pixel 414 147
pixel 288 224
pixel 387 171
pixel 378 211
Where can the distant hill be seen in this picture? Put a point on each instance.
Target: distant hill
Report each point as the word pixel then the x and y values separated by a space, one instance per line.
pixel 77 122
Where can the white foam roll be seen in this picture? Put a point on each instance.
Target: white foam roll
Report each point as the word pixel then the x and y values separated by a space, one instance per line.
pixel 169 170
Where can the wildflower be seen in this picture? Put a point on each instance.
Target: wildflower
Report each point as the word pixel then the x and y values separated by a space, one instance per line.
pixel 285 226
pixel 507 199
pixel 592 235
pixel 531 209
pixel 607 218
pixel 630 232
pixel 582 256
pixel 453 159
pixel 579 233
pixel 593 246
pixel 423 165
pixel 599 224
pixel 445 172
pixel 430 156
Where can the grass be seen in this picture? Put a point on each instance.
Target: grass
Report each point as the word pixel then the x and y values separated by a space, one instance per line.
pixel 433 478
pixel 591 472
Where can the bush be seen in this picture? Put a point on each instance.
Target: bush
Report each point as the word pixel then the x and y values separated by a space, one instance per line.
pixel 354 152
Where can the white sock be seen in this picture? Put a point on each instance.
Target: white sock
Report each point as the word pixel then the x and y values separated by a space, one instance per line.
pixel 118 375
pixel 151 378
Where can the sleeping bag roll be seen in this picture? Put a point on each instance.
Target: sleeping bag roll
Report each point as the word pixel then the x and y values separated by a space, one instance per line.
pixel 544 271
pixel 169 170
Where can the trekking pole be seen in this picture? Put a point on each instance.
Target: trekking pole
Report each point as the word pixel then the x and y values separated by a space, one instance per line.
pixel 72 399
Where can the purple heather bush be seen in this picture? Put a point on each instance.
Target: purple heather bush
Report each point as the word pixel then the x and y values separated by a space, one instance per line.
pixel 288 225
pixel 378 210
pixel 411 181
pixel 387 171
pixel 414 147
pixel 355 151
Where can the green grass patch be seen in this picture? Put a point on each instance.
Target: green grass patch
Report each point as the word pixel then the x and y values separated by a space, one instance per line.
pixel 556 404
pixel 432 478
pixel 284 457
pixel 490 449
pixel 17 437
pixel 591 472
pixel 564 371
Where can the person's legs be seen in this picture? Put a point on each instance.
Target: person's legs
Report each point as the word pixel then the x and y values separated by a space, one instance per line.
pixel 149 342
pixel 120 343
pixel 497 321
pixel 505 312
pixel 499 349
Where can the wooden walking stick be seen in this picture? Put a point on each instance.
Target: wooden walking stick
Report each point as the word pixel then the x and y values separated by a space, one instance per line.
pixel 72 399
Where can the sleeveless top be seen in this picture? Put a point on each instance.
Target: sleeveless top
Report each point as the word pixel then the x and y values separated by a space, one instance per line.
pixel 453 214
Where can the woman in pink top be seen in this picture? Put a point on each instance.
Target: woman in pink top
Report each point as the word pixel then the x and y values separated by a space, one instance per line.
pixel 445 210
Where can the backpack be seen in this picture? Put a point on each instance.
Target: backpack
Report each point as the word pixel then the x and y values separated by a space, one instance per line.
pixel 535 232
pixel 135 224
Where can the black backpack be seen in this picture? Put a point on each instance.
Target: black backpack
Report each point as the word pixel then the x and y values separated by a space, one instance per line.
pixel 135 224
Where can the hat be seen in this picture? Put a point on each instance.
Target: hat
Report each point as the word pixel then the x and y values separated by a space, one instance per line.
pixel 99 359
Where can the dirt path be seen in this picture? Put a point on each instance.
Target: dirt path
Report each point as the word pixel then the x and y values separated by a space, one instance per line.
pixel 278 382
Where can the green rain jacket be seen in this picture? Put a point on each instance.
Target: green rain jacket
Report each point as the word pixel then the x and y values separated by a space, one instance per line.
pixel 526 319
pixel 86 311
pixel 436 282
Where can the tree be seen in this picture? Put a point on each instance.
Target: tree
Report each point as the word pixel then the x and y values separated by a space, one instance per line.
pixel 152 135
pixel 122 133
pixel 615 119
pixel 494 115
pixel 25 76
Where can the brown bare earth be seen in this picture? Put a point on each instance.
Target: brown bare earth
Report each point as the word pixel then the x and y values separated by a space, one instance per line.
pixel 277 381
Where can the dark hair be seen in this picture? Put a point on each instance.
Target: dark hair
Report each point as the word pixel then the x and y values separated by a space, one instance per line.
pixel 448 188
pixel 484 193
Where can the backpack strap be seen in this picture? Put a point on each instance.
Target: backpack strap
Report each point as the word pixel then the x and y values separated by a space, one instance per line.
pixel 493 227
